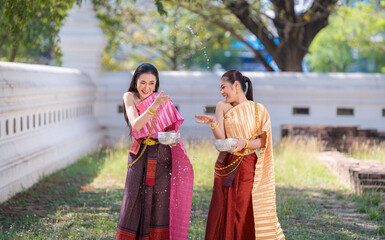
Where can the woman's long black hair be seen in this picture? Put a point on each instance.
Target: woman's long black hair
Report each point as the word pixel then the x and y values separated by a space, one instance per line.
pixel 234 75
pixel 143 68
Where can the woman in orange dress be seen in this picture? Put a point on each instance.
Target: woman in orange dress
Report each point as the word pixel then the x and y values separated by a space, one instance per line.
pixel 243 202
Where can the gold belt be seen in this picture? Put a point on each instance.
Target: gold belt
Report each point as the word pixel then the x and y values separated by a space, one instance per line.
pixel 238 154
pixel 150 142
pixel 246 152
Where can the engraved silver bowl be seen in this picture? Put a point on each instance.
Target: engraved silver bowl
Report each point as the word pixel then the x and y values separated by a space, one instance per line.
pixel 168 138
pixel 224 145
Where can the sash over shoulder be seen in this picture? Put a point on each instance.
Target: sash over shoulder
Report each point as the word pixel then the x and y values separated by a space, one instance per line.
pixel 263 193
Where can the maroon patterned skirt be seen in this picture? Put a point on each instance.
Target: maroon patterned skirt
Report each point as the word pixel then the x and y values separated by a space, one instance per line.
pixel 145 209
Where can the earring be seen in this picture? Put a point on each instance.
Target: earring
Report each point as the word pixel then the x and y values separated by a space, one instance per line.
pixel 237 91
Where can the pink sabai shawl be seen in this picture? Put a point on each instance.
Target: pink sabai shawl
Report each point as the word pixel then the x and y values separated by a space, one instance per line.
pixel 182 175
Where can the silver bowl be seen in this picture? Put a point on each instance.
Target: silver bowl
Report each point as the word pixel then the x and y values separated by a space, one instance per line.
pixel 224 145
pixel 168 138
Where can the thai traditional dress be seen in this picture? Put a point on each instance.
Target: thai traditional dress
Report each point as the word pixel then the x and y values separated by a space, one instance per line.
pixel 243 203
pixel 157 196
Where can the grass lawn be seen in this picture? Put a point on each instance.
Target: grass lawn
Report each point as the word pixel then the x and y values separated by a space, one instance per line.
pixel 368 151
pixel 83 200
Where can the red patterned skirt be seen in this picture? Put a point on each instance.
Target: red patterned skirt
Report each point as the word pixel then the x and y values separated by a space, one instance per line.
pixel 231 210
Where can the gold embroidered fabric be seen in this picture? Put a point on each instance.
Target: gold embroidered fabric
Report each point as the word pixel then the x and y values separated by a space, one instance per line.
pixel 241 121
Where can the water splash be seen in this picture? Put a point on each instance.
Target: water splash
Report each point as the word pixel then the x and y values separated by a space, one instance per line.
pixel 203 47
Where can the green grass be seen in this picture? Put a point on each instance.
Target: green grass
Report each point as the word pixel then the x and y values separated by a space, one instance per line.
pixel 83 200
pixel 296 165
pixel 368 151
pixel 308 194
pixel 368 203
pixel 202 155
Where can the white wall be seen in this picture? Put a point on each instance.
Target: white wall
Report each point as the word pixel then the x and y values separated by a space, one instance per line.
pixel 279 92
pixel 46 122
pixel 77 116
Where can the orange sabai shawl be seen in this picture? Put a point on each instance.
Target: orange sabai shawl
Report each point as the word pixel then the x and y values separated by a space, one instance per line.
pixel 249 120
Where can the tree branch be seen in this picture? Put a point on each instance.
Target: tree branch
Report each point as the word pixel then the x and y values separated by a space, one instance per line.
pixel 165 53
pixel 15 47
pixel 240 8
pixel 319 13
pixel 287 6
pixel 234 33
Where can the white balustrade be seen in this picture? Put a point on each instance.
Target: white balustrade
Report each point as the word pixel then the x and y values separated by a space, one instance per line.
pixel 46 122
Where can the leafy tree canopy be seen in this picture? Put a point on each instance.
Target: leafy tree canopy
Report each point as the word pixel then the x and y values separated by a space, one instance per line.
pixel 28 29
pixel 353 33
pixel 138 34
pixel 285 28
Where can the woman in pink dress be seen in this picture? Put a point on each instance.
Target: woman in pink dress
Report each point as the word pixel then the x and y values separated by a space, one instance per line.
pixel 157 196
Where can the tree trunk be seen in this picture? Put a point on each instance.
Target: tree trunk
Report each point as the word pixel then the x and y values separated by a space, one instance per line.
pixel 3 39
pixel 174 58
pixel 174 64
pixel 290 54
pixel 290 64
pixel 15 47
pixel 295 32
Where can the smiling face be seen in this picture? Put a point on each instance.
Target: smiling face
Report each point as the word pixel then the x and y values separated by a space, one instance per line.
pixel 228 90
pixel 146 85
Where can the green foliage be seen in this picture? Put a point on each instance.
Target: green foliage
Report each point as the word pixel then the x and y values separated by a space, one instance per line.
pixel 140 34
pixel 111 14
pixel 286 21
pixel 28 29
pixel 381 230
pixel 209 58
pixel 352 31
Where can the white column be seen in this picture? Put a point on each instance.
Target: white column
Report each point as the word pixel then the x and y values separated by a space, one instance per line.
pixel 82 40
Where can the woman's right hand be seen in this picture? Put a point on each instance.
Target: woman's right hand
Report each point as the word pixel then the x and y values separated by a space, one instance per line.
pixel 216 123
pixel 160 99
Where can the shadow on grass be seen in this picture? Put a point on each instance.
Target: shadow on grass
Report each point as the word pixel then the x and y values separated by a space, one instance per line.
pixel 323 214
pixel 303 214
pixel 63 206
pixel 57 201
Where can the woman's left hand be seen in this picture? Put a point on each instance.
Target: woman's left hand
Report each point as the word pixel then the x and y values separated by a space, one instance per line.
pixel 239 145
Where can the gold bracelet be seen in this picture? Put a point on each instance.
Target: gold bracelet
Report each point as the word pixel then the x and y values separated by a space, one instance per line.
pixel 151 112
pixel 214 127
pixel 247 144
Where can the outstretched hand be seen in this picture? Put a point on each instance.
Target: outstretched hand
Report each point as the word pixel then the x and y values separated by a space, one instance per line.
pixel 160 99
pixel 205 119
